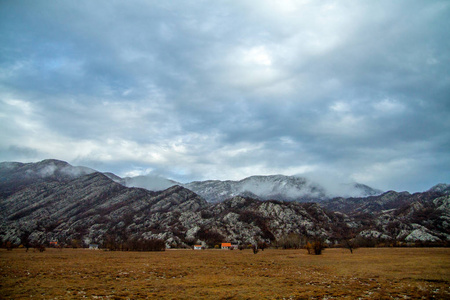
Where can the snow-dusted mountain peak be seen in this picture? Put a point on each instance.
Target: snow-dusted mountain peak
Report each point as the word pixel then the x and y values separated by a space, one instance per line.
pixel 277 187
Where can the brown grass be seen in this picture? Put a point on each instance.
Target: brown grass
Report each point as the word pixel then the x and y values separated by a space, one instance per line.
pixel 378 273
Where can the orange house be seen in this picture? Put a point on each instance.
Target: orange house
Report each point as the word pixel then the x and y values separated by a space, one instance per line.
pixel 226 246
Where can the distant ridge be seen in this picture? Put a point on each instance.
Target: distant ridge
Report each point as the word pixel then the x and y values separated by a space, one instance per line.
pixel 275 187
pixel 271 187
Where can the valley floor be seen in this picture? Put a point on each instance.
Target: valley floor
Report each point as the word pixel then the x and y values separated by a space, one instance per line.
pixel 372 273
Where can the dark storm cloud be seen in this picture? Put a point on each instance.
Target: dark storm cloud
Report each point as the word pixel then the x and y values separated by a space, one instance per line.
pixel 195 90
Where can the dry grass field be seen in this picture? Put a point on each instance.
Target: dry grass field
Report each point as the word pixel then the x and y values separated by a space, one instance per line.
pixel 376 273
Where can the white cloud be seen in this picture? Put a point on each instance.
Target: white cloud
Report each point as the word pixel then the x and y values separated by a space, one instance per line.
pixel 341 107
pixel 257 55
pixel 228 90
pixel 389 106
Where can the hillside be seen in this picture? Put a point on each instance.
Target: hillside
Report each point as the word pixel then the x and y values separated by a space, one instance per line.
pixel 72 204
pixel 90 207
pixel 14 175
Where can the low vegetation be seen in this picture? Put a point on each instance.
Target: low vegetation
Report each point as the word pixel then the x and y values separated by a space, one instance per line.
pixel 368 273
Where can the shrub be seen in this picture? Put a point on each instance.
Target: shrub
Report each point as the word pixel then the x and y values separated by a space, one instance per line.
pixel 206 214
pixel 315 247
pixel 318 246
pixel 262 245
pixel 292 241
pixel 211 237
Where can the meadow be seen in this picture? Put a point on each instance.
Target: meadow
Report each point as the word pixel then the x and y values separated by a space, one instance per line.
pixel 368 273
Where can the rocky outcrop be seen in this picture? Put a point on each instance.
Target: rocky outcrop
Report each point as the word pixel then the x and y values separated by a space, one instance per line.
pixel 53 201
pixel 90 206
pixel 419 217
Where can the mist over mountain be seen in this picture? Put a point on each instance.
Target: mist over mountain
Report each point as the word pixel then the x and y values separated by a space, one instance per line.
pixel 54 201
pixel 275 187
pixel 16 175
pixel 272 187
pixel 149 182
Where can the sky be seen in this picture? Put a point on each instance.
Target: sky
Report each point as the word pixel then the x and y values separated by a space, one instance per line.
pixel 355 91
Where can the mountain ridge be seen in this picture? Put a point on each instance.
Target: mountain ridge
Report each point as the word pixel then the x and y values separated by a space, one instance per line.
pixel 263 187
pixel 92 208
pixel 271 187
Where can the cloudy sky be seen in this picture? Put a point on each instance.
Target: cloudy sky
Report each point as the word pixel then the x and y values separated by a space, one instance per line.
pixel 194 90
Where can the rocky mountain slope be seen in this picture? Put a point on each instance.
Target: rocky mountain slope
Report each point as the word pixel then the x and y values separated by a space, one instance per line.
pixel 42 204
pixel 93 208
pixel 274 187
pixel 90 207
pixel 386 201
pixel 400 216
pixel 14 175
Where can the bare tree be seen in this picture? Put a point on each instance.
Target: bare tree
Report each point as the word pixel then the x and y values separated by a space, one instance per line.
pixel 292 241
pixel 346 236
pixel 25 240
pixel 9 246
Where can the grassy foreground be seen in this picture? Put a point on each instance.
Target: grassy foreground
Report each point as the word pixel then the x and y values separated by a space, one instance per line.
pixel 376 273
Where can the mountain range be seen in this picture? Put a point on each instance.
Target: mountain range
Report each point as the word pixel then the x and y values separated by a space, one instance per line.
pixel 54 201
pixel 272 187
pixel 275 187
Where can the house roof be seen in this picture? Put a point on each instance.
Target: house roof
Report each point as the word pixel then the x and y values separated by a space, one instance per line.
pixel 197 245
pixel 226 244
